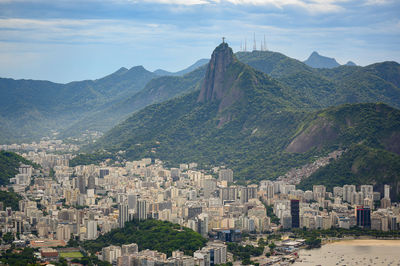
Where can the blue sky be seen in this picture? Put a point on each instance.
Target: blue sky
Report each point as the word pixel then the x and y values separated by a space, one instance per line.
pixel 66 40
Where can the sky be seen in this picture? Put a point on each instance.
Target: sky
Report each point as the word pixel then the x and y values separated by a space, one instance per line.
pixel 69 40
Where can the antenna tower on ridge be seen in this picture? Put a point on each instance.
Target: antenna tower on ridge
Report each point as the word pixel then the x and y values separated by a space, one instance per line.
pixel 254 45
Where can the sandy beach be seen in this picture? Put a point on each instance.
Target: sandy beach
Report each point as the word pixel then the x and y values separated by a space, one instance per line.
pixel 353 252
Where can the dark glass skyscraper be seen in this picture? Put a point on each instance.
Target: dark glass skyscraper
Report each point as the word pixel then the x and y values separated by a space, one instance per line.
pixel 363 214
pixel 295 212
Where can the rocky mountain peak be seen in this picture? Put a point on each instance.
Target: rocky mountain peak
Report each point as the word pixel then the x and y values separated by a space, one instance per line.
pixel 214 85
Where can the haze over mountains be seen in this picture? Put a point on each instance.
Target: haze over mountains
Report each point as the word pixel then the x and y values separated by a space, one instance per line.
pixel 316 60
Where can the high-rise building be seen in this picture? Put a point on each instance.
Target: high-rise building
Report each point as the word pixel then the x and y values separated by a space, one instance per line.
pixel 363 216
pixel 295 213
pixel 210 185
pixel 142 208
pixel 123 214
pixel 129 249
pixel 385 203
pixel 91 182
pixel 319 191
pixel 132 201
pixel 203 224
pixel 91 231
pixel 387 191
pixel 81 184
pixel 111 253
pixel 226 175
pixel 368 191
pixel 228 193
pixel 348 192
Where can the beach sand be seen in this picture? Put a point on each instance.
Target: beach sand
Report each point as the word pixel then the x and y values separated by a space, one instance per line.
pixel 353 252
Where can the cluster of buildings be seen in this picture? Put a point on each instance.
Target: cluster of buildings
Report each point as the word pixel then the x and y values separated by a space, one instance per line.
pixel 345 207
pixel 88 200
pixel 49 145
pixel 212 254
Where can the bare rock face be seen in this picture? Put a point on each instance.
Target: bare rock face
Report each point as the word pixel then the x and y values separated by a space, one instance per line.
pixel 216 82
pixel 315 136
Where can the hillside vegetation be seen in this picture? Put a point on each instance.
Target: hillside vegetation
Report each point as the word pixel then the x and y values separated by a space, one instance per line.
pixel 250 122
pixel 360 165
pixel 9 164
pixel 151 234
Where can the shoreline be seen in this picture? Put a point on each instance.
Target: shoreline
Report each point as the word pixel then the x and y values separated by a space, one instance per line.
pixel 357 238
pixel 365 251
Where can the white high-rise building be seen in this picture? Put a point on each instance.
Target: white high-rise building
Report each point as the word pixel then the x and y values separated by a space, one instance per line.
pixel 123 214
pixel 387 191
pixel 348 192
pixel 91 230
pixel 226 175
pixel 142 208
pixel 368 191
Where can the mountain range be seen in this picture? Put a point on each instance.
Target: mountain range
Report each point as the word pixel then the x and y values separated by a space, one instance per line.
pixel 261 125
pixel 260 113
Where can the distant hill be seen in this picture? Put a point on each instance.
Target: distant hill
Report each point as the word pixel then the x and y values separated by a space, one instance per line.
pixel 316 60
pixel 350 63
pixel 187 70
pixel 157 90
pixel 31 109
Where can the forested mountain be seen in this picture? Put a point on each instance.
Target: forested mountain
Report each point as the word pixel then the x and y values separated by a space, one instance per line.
pixel 253 123
pixel 322 88
pixel 30 109
pixel 157 90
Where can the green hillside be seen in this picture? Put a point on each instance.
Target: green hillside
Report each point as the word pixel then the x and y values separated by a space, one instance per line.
pixel 375 125
pixel 321 88
pixel 251 123
pixel 10 199
pixel 360 165
pixel 9 164
pixel 150 234
pixel 243 128
pixel 30 109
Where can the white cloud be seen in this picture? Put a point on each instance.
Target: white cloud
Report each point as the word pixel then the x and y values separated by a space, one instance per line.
pixel 377 2
pixel 313 6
